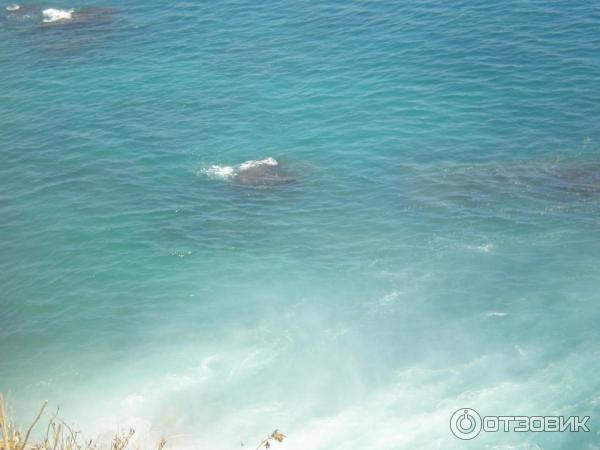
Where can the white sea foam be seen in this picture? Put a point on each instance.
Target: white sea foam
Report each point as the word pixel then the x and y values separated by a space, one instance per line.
pixel 230 172
pixel 132 402
pixel 486 248
pixel 224 172
pixel 411 410
pixel 56 15
pixel 389 298
pixel 13 7
pixel 483 248
pixel 262 162
pixel 496 314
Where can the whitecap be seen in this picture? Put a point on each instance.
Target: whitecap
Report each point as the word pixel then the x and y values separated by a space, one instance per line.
pixel 223 172
pixel 262 162
pixel 57 15
pixel 496 314
pixel 14 7
pixel 230 172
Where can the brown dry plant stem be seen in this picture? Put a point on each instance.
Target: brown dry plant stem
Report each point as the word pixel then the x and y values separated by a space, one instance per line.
pixel 37 418
pixel 4 425
pixel 60 436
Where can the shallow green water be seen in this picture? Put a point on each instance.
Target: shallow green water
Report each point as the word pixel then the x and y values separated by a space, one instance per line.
pixel 437 248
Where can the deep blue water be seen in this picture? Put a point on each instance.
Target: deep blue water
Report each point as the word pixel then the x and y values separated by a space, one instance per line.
pixel 437 246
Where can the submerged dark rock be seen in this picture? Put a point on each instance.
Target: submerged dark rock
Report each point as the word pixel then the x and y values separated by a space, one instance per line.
pixel 581 178
pixel 263 173
pixel 53 17
pixel 78 17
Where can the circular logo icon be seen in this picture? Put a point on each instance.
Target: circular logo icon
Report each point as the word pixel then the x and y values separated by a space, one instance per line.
pixel 465 423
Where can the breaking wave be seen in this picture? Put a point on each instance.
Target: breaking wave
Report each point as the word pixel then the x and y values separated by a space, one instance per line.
pixel 57 15
pixel 230 172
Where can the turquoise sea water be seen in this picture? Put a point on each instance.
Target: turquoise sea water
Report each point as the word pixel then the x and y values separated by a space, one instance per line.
pixel 437 248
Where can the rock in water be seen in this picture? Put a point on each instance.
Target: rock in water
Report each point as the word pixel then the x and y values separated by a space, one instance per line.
pixel 266 172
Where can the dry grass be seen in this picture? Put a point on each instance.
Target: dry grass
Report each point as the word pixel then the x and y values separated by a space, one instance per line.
pixel 275 436
pixel 60 436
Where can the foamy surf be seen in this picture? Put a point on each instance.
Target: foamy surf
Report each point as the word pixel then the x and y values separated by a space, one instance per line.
pixel 230 172
pixel 263 162
pixel 216 171
pixel 57 15
pixel 13 8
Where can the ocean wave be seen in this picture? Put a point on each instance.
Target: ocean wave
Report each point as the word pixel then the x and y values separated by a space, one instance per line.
pixel 13 8
pixel 232 172
pixel 216 171
pixel 57 15
pixel 263 162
